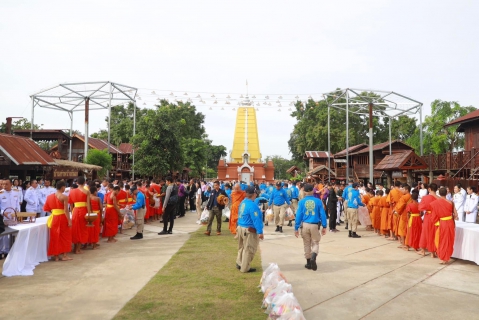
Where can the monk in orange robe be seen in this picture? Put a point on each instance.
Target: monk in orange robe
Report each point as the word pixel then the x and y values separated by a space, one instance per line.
pixel 444 213
pixel 428 231
pixel 122 199
pixel 110 226
pixel 237 195
pixel 383 202
pixel 414 226
pixel 400 211
pixel 376 212
pixel 394 195
pixel 59 223
pixel 96 207
pixel 155 189
pixel 79 199
pixel 365 199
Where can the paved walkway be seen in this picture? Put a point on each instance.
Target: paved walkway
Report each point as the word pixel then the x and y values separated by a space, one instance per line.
pixel 370 278
pixel 96 284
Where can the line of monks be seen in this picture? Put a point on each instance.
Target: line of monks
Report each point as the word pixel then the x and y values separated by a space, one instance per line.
pixel 83 226
pixel 425 226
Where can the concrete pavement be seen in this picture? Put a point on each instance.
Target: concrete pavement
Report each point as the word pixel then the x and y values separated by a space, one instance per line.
pixel 370 278
pixel 96 284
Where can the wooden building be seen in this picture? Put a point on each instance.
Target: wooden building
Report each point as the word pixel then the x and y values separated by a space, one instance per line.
pixel 401 166
pixel 318 158
pixel 293 171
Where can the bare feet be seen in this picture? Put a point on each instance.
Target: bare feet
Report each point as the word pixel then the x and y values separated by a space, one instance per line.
pixel 405 248
pixel 65 258
pixel 95 246
pixel 433 255
pixel 421 253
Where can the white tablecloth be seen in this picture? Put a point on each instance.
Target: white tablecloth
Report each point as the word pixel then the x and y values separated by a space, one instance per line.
pixel 29 249
pixel 466 245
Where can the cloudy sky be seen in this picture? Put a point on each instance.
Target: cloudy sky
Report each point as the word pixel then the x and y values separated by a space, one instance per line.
pixel 423 49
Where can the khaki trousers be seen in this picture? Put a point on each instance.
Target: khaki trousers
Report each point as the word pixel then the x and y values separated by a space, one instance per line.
pixel 294 205
pixel 247 246
pixel 279 214
pixel 214 212
pixel 352 219
pixel 345 207
pixel 140 220
pixel 311 238
pixel 198 207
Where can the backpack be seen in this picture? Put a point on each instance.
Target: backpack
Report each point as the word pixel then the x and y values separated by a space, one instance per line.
pixel 173 199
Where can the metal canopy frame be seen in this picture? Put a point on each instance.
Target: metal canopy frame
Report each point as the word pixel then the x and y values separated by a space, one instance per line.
pixel 391 103
pixel 77 97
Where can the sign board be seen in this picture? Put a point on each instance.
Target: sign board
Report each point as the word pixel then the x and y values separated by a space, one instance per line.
pixel 397 174
pixel 64 173
pixel 340 160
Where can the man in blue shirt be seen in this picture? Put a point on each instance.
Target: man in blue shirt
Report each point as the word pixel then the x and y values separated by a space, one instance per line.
pixel 354 201
pixel 249 231
pixel 294 192
pixel 140 207
pixel 262 186
pixel 280 201
pixel 345 202
pixel 309 216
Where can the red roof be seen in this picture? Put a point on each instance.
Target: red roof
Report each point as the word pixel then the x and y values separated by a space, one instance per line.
pixel 317 154
pixel 24 151
pixel 471 116
pixel 99 144
pixel 407 160
pixel 350 149
pixel 383 145
pixel 126 147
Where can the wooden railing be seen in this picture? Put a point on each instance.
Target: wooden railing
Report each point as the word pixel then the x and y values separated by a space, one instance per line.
pixel 452 160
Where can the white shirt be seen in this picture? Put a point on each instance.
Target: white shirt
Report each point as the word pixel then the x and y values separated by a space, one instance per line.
pixel 422 193
pixel 458 200
pixel 471 206
pixel 9 201
pixel 46 191
pixel 33 202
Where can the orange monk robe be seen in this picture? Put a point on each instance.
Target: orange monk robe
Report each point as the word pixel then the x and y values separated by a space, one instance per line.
pixel 236 198
pixel 414 226
pixel 150 211
pixel 442 211
pixel 428 231
pixel 400 208
pixel 94 232
pixel 394 197
pixel 376 212
pixel 156 189
pixel 60 233
pixel 383 225
pixel 110 225
pixel 79 228
pixel 121 199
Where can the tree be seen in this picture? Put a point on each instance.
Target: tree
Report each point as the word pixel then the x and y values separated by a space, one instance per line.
pixel 215 153
pixel 20 124
pixel 436 138
pixel 100 158
pixel 281 165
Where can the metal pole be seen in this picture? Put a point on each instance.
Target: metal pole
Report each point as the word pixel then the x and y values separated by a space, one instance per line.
pixel 371 160
pixel 329 147
pixel 71 136
pixel 134 132
pixel 420 128
pixel 87 105
pixel 390 137
pixel 33 115
pixel 109 123
pixel 347 135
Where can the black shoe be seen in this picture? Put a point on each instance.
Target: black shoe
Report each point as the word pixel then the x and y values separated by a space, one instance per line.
pixel 350 234
pixel 181 216
pixel 161 221
pixel 290 224
pixel 314 266
pixel 277 229
pixel 346 226
pixel 355 235
pixel 308 264
pixel 170 232
pixel 281 229
pixel 227 220
pixel 251 270
pixel 266 223
pixel 238 266
pixel 137 236
pixel 163 232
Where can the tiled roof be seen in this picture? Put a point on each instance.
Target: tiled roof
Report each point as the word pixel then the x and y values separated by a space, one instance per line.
pixel 293 168
pixel 24 151
pixel 126 147
pixel 99 144
pixel 402 161
pixel 317 154
pixel 321 167
pixel 351 149
pixel 471 116
pixel 381 146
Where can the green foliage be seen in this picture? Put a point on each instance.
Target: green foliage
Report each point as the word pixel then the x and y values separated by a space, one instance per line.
pixel 281 165
pixel 20 124
pixel 99 158
pixel 436 138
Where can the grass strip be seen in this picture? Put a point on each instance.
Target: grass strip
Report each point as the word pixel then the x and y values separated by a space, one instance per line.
pixel 200 282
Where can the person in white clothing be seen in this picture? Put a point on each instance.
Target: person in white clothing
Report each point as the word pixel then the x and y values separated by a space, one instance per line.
pixel 9 202
pixel 32 199
pixel 470 207
pixel 458 200
pixel 16 186
pixel 422 191
pixel 45 192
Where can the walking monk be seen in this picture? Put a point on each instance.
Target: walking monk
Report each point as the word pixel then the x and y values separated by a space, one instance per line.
pixel 414 226
pixel 428 230
pixel 443 212
pixel 401 214
pixel 110 226
pixel 59 223
pixel 383 202
pixel 96 207
pixel 376 211
pixel 365 199
pixel 394 195
pixel 79 198
pixel 237 196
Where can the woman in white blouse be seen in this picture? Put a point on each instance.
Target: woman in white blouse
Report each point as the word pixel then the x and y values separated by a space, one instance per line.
pixel 470 207
pixel 458 199
pixel 422 191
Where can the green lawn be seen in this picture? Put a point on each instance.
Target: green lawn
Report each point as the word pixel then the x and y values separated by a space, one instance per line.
pixel 200 282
